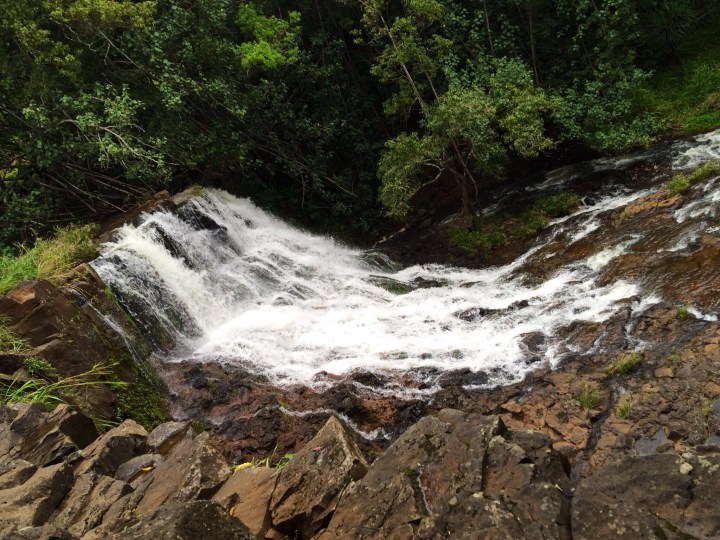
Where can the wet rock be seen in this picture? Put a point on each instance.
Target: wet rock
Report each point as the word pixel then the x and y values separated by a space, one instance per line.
pixel 654 496
pixel 246 497
pixel 309 486
pixel 473 314
pixel 166 435
pixel 34 501
pixel 457 475
pixel 195 520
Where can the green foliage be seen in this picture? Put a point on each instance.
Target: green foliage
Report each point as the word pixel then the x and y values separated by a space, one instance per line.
pixel 680 183
pixel 40 368
pixel 624 363
pixel 141 401
pixel 686 91
pixel 558 204
pixel 588 396
pixel 10 342
pixel 489 233
pixel 486 235
pixel 677 184
pixel 49 258
pixel 624 407
pixel 530 223
pixel 65 390
pixel 682 312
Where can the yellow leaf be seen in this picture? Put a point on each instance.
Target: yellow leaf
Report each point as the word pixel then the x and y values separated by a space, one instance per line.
pixel 146 469
pixel 242 466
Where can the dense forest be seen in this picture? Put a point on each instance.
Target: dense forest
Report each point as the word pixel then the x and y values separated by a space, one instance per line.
pixel 334 113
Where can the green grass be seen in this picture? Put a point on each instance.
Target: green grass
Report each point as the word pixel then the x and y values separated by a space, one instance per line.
pixel 587 396
pixel 53 393
pixel 624 406
pixel 687 96
pixel 682 312
pixel 682 182
pixel 49 258
pixel 678 184
pixel 10 342
pixel 624 363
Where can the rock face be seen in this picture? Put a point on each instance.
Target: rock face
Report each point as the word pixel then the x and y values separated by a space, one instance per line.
pixel 655 496
pixel 454 475
pixel 58 481
pixel 450 475
pixel 310 485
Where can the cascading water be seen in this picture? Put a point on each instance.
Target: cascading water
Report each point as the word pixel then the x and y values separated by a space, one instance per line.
pixel 220 279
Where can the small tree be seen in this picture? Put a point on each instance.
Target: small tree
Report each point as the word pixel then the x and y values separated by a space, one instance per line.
pixel 463 127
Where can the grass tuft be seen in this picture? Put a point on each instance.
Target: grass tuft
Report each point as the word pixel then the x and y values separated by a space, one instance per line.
pixel 49 258
pixel 588 396
pixel 624 406
pixel 680 183
pixel 624 363
pixel 53 393
pixel 682 312
pixel 10 342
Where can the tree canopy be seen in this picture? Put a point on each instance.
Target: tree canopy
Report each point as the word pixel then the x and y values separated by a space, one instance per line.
pixel 316 109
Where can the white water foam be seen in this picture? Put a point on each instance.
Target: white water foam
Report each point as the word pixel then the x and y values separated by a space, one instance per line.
pixel 697 151
pixel 232 283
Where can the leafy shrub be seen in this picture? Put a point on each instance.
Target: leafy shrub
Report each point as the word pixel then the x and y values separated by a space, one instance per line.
pixel 41 368
pixel 486 236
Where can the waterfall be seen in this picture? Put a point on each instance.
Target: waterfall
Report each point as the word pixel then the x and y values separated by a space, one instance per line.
pixel 220 279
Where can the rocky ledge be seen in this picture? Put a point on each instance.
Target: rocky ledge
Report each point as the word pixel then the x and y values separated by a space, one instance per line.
pixel 450 475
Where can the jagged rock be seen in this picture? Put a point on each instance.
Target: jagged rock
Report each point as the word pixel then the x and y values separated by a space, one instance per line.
pixel 655 496
pixel 246 496
pixel 32 503
pixel 436 481
pixel 40 313
pixel 195 520
pixel 192 470
pixel 166 435
pixel 19 421
pixel 10 363
pixel 45 532
pixel 15 472
pixel 91 496
pixel 134 468
pixel 114 448
pixel 309 486
pixel 62 432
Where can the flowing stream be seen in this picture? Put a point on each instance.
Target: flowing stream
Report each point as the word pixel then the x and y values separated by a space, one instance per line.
pixel 220 279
